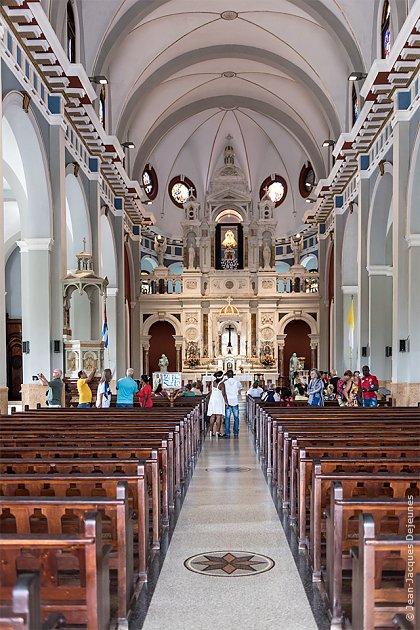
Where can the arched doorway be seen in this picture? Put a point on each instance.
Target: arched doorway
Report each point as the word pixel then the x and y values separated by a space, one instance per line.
pixel 162 342
pixel 297 340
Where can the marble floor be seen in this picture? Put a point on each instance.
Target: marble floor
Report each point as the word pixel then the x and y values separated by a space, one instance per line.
pixel 229 508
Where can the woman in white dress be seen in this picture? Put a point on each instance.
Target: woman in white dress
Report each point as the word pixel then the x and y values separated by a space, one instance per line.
pixel 217 403
pixel 103 396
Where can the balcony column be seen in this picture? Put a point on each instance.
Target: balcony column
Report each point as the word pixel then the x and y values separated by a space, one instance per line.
pixel 314 349
pixel 178 349
pixel 3 345
pixel 281 339
pixel 145 346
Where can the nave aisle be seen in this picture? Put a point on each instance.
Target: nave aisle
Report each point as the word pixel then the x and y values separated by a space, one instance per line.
pixel 228 508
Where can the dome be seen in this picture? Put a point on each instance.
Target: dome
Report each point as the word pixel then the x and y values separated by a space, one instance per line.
pixel 229 310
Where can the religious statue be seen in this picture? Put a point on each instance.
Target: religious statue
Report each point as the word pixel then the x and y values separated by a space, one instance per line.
pixel 163 363
pixel 293 367
pixel 191 257
pixel 267 256
pixel 160 248
pixel 296 243
pixel 229 240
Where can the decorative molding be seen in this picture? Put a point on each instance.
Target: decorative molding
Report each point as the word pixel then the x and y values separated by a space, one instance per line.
pixel 413 240
pixel 380 270
pixel 35 244
pixel 26 101
pixel 111 292
pixel 350 289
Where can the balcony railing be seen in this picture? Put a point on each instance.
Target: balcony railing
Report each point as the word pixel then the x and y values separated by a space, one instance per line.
pixel 286 284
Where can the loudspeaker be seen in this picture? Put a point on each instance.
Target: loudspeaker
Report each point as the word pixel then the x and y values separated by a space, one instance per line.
pixel 57 345
pixel 388 351
pixel 25 347
pixel 364 351
pixel 403 345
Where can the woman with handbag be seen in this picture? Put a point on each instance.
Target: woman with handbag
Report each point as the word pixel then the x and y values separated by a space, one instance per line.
pixel 315 389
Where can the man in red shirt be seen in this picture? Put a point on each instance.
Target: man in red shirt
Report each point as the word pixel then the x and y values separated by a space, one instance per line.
pixel 369 384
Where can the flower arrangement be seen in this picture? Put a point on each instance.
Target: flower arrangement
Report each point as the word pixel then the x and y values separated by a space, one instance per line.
pixel 268 360
pixel 192 361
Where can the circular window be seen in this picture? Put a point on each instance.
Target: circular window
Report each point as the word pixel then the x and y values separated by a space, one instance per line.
pixel 276 187
pixel 150 181
pixel 179 190
pixel 306 180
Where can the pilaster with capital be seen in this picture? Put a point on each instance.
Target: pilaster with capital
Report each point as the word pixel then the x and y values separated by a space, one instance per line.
pixel 3 345
pixel 178 349
pixel 145 347
pixel 36 305
pixel 281 340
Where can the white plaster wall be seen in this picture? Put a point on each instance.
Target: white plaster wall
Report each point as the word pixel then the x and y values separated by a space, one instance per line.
pixel 80 316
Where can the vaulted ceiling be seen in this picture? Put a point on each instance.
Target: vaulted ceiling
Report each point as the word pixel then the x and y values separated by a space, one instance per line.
pixel 185 73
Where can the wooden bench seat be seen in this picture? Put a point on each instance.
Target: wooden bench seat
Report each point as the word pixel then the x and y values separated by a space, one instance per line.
pixel 375 602
pixel 86 602
pixel 342 529
pixel 354 484
pixel 59 516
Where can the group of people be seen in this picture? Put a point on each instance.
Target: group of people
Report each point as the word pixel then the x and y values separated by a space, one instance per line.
pixel 223 403
pixel 126 388
pixel 351 390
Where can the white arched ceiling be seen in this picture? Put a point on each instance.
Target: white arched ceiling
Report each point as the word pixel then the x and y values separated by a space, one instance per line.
pixel 108 255
pixel 280 67
pixel 77 220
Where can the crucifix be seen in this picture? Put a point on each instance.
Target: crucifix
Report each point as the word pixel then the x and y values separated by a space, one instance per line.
pixel 229 345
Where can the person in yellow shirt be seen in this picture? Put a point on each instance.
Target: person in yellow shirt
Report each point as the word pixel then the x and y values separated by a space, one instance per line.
pixel 85 393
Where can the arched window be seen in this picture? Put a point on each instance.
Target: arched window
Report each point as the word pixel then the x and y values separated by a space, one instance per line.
pixel 386 30
pixel 179 190
pixel 71 34
pixel 306 180
pixel 354 104
pixel 276 187
pixel 102 107
pixel 150 181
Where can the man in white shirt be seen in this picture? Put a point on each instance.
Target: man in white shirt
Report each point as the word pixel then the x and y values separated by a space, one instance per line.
pixel 232 388
pixel 255 391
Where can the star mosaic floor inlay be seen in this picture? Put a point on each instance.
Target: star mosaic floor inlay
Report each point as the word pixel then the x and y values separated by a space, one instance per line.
pixel 229 563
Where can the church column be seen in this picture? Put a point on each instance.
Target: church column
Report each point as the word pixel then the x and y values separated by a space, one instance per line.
pixel 413 241
pixel 340 360
pixel 110 355
pixel 135 313
pixel 361 308
pixel 281 339
pixel 121 315
pixel 178 349
pixel 401 297
pixel 94 201
pixel 36 305
pixel 3 362
pixel 323 289
pixel 314 348
pixel 57 163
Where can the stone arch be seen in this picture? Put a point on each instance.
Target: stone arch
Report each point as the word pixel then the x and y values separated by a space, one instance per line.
pixel 77 219
pixel 156 318
pixel 161 334
pixel 228 206
pixel 379 220
pixel 290 317
pixel 413 190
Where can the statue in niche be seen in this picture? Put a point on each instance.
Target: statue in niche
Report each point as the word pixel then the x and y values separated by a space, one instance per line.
pixel 160 248
pixel 191 257
pixel 293 367
pixel 163 363
pixel 267 256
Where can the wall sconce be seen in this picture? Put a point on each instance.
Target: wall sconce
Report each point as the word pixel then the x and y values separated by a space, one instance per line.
pixel 357 76
pixel 128 145
pixel 25 347
pixel 328 143
pixel 99 79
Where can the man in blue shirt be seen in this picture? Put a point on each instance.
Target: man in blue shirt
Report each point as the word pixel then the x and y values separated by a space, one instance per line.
pixel 126 388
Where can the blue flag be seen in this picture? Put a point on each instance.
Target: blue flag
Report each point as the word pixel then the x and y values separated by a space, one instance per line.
pixel 105 329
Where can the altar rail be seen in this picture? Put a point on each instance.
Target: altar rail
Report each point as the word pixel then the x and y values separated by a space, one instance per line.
pixel 286 283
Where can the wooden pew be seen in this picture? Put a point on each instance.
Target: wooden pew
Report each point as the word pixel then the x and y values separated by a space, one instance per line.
pixel 85 603
pixel 25 611
pixel 373 486
pixel 389 515
pixel 57 515
pixel 374 604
